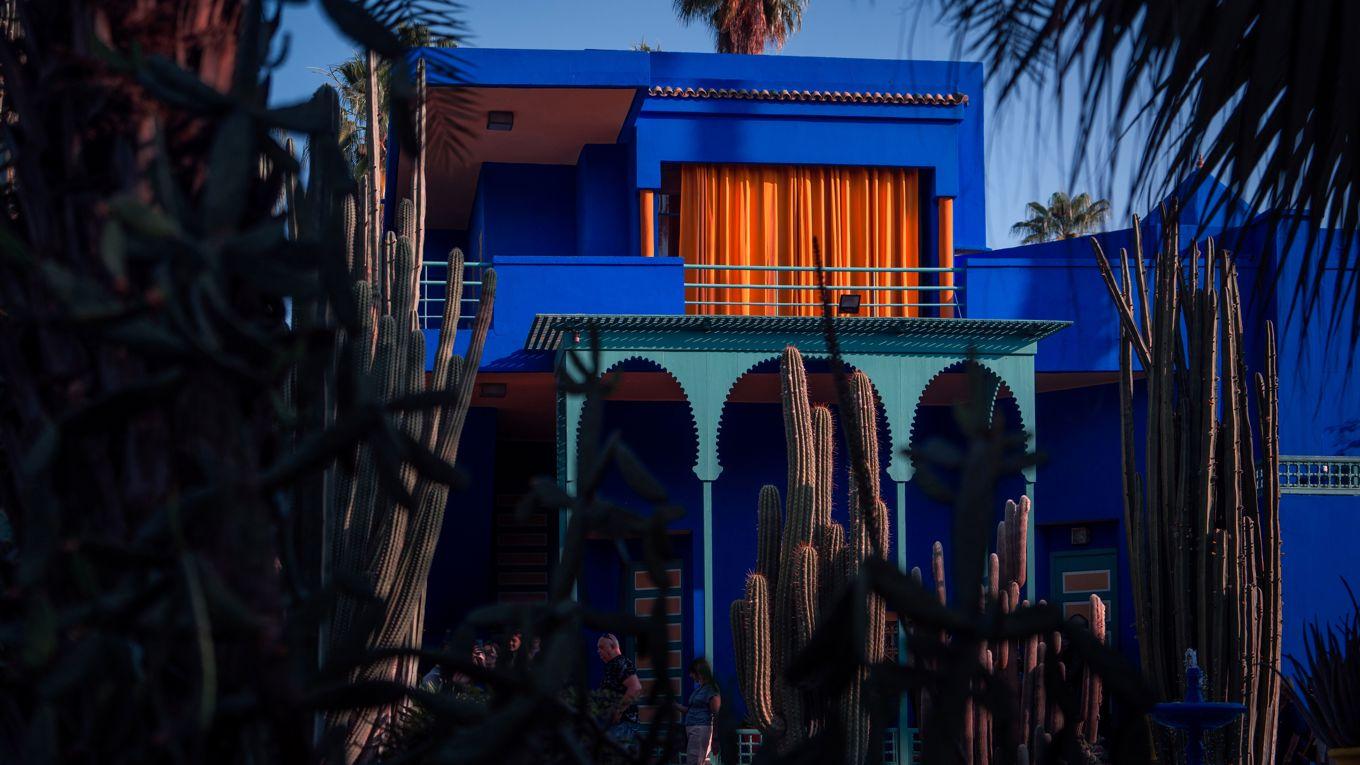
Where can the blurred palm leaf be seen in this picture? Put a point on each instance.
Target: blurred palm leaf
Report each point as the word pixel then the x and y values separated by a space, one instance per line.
pixel 1264 90
pixel 1325 686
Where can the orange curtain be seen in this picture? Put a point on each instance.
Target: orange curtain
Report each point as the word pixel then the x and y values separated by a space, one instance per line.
pixel 766 215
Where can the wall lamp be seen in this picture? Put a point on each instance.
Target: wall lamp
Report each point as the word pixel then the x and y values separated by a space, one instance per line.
pixel 500 121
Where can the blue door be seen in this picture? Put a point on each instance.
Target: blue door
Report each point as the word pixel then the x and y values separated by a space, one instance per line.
pixel 1079 574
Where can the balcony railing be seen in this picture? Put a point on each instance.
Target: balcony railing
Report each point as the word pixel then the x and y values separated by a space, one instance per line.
pixel 883 299
pixel 433 283
pixel 879 297
pixel 1318 475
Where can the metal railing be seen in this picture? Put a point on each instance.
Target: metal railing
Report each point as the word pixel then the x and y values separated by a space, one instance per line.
pixel 773 284
pixel 434 282
pixel 1319 475
pixel 434 274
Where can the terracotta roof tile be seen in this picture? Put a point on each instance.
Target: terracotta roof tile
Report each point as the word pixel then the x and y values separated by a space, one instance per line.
pixel 820 96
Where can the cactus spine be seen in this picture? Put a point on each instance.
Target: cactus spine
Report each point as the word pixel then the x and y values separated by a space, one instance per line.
pixel 803 557
pixel 1204 541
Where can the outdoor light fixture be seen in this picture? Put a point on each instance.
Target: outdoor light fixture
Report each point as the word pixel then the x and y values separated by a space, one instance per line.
pixel 849 303
pixel 1081 535
pixel 500 120
pixel 493 390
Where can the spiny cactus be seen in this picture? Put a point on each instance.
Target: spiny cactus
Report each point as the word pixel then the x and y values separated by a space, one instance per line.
pixel 383 516
pixel 1204 538
pixel 1025 667
pixel 803 557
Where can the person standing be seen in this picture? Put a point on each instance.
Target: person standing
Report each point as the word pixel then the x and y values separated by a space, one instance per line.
pixel 511 655
pixel 701 712
pixel 621 682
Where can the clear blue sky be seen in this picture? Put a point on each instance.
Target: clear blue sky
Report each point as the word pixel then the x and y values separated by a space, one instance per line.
pixel 1028 138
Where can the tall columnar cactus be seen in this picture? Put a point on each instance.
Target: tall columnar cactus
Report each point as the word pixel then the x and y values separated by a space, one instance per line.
pixel 802 557
pixel 1204 537
pixel 383 516
pixel 1025 667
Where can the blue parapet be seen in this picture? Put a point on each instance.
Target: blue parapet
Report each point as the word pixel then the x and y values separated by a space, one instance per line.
pixel 1055 280
pixel 529 285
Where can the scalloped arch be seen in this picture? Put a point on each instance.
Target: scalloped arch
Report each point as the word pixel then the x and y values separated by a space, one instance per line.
pixel 689 404
pixel 912 433
pixel 878 398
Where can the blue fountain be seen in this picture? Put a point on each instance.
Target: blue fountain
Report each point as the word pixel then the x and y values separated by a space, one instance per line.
pixel 1195 716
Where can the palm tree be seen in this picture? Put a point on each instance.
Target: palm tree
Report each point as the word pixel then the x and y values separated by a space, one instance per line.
pixel 350 78
pixel 745 26
pixel 1265 90
pixel 1064 217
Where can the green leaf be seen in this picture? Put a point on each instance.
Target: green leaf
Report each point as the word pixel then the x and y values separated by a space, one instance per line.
pixel 113 251
pixel 143 219
pixel 231 164
pixel 40 632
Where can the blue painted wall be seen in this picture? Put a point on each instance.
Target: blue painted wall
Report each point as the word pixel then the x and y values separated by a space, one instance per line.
pixel 526 210
pixel 1318 534
pixel 528 286
pixel 1080 482
pixel 461 571
pixel 1061 282
pixel 602 194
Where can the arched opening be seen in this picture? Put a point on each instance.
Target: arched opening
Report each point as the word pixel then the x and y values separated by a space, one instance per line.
pixel 650 413
pixel 752 451
pixel 938 436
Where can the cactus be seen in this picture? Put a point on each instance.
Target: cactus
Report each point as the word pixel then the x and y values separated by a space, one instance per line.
pixel 803 557
pixel 1024 666
pixel 1204 541
pixel 371 532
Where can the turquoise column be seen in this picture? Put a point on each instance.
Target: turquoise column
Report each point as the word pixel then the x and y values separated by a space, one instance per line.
pixel 706 377
pixel 1030 584
pixel 569 409
pixel 707 647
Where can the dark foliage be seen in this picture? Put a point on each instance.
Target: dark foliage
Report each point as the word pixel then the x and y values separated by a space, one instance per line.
pixel 1325 686
pixel 1263 90
pixel 160 602
pixel 544 713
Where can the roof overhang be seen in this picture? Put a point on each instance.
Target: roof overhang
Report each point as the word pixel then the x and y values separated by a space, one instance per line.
pixel 551 126
pixel 892 336
pixel 565 100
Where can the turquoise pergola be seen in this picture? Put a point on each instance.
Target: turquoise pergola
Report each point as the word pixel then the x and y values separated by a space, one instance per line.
pixel 707 355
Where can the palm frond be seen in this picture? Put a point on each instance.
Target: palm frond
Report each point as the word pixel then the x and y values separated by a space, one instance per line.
pixel 1264 90
pixel 1063 217
pixel 745 26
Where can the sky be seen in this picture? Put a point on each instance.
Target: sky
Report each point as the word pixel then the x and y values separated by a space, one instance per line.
pixel 1029 137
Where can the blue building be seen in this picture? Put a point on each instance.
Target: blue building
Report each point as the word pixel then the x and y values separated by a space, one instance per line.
pixel 671 201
